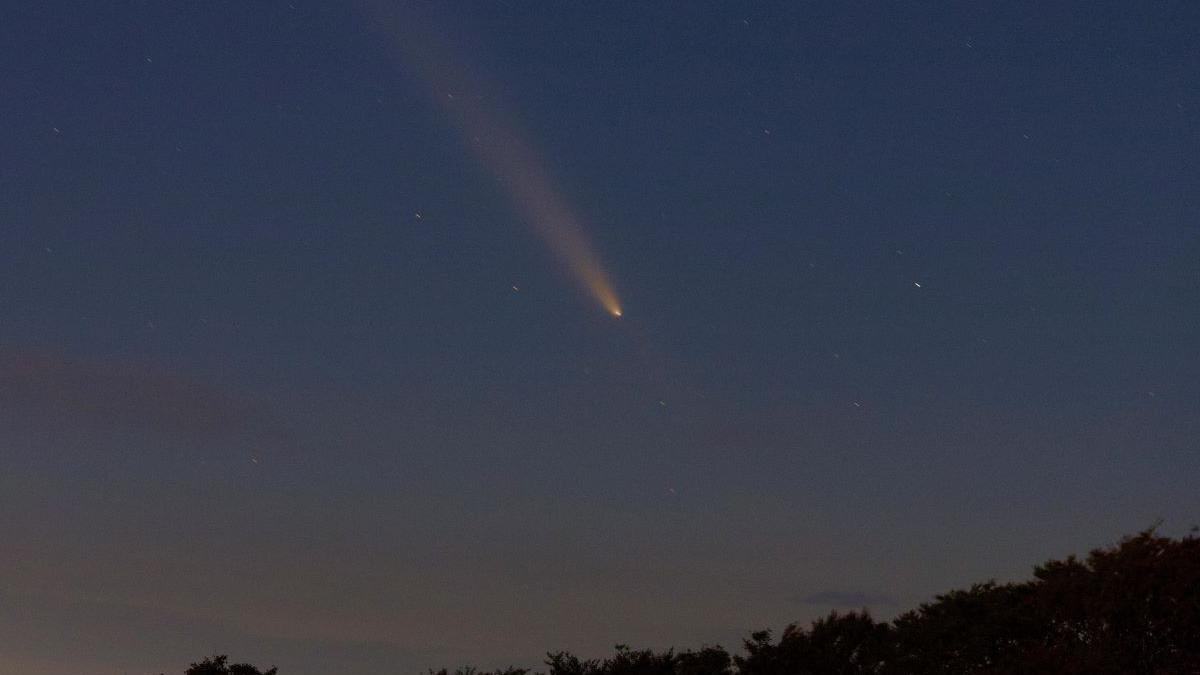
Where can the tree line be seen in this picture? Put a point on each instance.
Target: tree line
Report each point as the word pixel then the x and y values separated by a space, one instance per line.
pixel 1131 608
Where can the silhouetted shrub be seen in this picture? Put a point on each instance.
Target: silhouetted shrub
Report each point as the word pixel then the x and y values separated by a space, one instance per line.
pixel 1133 608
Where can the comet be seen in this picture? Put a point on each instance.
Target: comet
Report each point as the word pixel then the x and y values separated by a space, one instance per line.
pixel 495 141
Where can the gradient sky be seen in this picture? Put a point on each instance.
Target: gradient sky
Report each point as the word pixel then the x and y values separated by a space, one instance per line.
pixel 911 296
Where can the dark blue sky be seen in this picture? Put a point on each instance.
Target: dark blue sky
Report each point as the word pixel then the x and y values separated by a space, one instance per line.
pixel 911 294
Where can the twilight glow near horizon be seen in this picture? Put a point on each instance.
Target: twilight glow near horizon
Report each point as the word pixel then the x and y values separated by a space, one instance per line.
pixel 308 340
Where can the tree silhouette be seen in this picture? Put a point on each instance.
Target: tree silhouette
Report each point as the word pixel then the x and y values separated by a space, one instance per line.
pixel 626 661
pixel 839 644
pixel 468 670
pixel 219 665
pixel 707 661
pixel 1130 608
pixel 988 628
pixel 1133 608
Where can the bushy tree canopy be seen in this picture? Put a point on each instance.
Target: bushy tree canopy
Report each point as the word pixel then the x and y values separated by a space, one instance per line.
pixel 1129 608
pixel 219 665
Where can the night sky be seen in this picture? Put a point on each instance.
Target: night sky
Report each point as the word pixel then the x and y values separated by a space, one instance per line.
pixel 299 361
